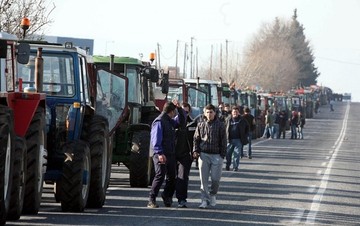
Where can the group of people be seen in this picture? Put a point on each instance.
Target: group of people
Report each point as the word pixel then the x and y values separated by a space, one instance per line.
pixel 275 124
pixel 174 147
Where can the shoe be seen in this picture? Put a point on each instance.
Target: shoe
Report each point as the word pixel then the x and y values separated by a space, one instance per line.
pixel 213 199
pixel 227 168
pixel 250 157
pixel 203 204
pixel 152 204
pixel 242 156
pixel 182 204
pixel 167 200
pixel 235 169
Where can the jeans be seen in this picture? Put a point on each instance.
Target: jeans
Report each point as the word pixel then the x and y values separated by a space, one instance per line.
pixel 249 146
pixel 293 132
pixel 182 179
pixel 267 128
pixel 234 147
pixel 275 130
pixel 300 131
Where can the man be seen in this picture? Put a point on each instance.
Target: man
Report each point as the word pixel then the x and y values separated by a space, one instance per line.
pixel 252 126
pixel 210 148
pixel 268 125
pixel 283 118
pixel 183 150
pixel 237 130
pixel 162 146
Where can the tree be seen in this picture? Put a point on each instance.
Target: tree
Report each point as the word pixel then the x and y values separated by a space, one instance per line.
pixel 12 12
pixel 269 61
pixel 303 53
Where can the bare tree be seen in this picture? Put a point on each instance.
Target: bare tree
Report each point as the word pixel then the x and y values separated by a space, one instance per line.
pixel 38 11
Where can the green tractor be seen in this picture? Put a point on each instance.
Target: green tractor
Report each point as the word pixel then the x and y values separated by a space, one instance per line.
pixel 131 140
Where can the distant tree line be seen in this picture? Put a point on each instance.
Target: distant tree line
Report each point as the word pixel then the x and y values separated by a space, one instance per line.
pixel 278 58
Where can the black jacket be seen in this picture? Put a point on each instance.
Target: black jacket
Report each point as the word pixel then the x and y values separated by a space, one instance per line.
pixel 243 127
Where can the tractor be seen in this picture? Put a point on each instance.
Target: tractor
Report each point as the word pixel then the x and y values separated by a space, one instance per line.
pixel 132 136
pixel 82 115
pixel 22 132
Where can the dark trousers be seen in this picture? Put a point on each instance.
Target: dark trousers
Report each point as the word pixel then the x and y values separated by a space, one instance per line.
pixel 182 180
pixel 163 172
pixel 282 131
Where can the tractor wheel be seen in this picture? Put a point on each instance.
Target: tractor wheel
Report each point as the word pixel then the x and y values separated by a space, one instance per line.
pixel 75 180
pixel 18 183
pixel 35 157
pixel 96 133
pixel 139 159
pixel 6 159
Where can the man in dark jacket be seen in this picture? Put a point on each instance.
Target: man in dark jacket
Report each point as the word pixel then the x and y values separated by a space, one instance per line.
pixel 237 130
pixel 210 148
pixel 183 150
pixel 162 147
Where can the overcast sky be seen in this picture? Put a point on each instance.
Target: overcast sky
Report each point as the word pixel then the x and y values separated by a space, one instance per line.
pixel 134 27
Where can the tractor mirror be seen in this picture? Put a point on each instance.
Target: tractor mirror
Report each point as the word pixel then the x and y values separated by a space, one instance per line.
pixel 152 74
pixel 165 84
pixel 23 53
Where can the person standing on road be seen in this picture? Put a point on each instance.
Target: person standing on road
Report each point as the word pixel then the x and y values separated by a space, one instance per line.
pixel 237 130
pixel 210 148
pixel 283 118
pixel 183 150
pixel 162 148
pixel 268 125
pixel 301 123
pixel 275 127
pixel 252 126
pixel 293 124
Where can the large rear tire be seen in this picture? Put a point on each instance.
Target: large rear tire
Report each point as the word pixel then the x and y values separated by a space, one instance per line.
pixel 7 146
pixel 139 159
pixel 35 143
pixel 96 133
pixel 18 180
pixel 75 180
pixel 6 159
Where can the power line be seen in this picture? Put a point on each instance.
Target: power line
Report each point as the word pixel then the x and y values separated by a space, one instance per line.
pixel 339 61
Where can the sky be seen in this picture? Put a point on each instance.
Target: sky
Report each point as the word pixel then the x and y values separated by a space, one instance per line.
pixel 136 28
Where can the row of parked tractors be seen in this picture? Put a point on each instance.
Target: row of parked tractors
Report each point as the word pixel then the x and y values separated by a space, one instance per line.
pixel 65 118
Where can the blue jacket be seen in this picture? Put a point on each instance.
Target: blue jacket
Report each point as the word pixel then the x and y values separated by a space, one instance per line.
pixel 163 134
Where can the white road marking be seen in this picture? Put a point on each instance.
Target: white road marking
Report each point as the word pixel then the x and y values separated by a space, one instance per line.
pixel 310 219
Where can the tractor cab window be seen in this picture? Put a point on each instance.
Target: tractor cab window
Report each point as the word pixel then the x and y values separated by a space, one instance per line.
pixel 134 85
pixel 58 77
pixel 7 68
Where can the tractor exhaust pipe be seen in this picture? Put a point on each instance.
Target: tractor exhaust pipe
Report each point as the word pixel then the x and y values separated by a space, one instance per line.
pixel 39 68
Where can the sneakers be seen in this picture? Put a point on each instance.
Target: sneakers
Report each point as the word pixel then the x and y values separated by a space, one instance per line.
pixel 235 169
pixel 250 157
pixel 167 200
pixel 213 200
pixel 182 204
pixel 203 204
pixel 152 204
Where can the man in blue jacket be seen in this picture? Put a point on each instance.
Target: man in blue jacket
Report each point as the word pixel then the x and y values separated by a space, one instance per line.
pixel 162 147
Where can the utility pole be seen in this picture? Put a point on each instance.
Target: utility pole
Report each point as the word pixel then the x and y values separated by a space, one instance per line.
pixel 211 60
pixel 184 69
pixel 176 61
pixel 197 62
pixel 191 57
pixel 158 56
pixel 226 59
pixel 221 72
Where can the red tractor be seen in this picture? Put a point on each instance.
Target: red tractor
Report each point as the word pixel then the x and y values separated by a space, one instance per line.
pixel 22 133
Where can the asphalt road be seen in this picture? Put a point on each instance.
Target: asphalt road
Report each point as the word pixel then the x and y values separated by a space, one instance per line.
pixel 288 182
